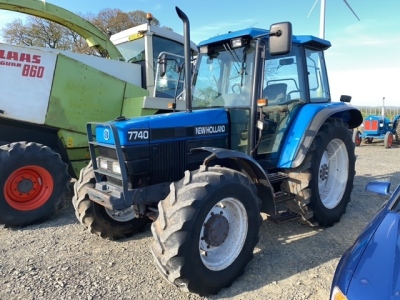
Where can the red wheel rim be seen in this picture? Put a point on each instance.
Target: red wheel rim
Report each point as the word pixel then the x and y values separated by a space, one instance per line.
pixel 358 140
pixel 390 140
pixel 28 188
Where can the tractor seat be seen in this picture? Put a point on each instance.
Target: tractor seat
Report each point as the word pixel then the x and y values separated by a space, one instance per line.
pixel 275 93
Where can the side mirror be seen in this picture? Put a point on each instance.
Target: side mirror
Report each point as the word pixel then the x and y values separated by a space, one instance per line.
pixel 280 40
pixel 345 98
pixel 162 61
pixel 381 188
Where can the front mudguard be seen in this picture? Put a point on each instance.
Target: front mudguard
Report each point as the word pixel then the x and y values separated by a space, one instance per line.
pixel 246 165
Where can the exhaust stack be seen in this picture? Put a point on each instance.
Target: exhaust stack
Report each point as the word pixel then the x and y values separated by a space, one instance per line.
pixel 186 34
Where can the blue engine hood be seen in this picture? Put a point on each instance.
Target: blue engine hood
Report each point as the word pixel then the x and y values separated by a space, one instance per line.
pixel 377 275
pixel 178 125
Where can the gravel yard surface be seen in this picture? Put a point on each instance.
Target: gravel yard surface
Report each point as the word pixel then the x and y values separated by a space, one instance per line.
pixel 59 259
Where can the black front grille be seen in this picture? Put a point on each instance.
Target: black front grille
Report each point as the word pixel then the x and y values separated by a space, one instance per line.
pixel 168 161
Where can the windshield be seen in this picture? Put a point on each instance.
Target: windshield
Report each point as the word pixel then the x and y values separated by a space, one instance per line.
pixel 224 77
pixel 132 51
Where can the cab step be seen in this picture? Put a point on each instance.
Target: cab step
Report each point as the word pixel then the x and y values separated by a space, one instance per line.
pixel 283 217
pixel 277 177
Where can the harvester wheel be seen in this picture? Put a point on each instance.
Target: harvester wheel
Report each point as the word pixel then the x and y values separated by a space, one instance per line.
pixel 99 220
pixel 207 229
pixel 324 181
pixel 388 141
pixel 357 137
pixel 35 181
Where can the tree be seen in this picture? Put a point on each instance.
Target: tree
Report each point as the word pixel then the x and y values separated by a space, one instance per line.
pixel 44 33
pixel 114 20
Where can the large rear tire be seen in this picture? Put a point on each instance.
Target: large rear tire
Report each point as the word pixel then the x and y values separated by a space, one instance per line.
pixel 207 230
pixel 99 220
pixel 397 129
pixel 324 181
pixel 35 181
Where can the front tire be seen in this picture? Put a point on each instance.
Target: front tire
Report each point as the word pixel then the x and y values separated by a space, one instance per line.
pixel 207 230
pixel 388 140
pixel 98 219
pixel 35 181
pixel 324 181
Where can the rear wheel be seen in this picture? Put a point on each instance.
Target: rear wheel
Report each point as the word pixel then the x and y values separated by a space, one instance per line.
pixel 35 181
pixel 388 141
pixel 397 129
pixel 324 181
pixel 206 230
pixel 109 224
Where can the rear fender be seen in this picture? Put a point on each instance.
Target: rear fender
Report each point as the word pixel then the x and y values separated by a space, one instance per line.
pixel 246 165
pixel 306 126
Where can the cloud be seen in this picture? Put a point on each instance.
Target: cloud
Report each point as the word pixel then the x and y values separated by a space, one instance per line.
pixel 367 87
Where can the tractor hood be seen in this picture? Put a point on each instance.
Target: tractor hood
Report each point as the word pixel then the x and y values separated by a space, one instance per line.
pixel 177 126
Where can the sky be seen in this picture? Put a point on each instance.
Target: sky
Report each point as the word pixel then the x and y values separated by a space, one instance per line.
pixel 363 61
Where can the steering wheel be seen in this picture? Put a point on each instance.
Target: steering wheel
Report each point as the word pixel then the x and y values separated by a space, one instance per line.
pixel 288 97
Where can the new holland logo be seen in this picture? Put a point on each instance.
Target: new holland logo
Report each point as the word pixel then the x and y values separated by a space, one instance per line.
pixel 106 134
pixel 213 129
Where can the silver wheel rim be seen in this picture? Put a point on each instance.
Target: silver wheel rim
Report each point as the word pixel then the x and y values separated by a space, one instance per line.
pixel 333 173
pixel 121 215
pixel 219 248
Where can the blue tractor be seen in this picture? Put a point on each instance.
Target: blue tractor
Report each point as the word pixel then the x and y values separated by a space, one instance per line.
pixel 259 133
pixel 378 128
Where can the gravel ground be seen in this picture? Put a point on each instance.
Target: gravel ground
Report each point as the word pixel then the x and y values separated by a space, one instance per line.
pixel 59 259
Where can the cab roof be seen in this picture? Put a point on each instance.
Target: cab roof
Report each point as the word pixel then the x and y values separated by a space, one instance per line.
pixel 253 32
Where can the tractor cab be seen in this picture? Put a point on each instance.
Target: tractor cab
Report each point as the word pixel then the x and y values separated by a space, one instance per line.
pixel 260 85
pixel 142 45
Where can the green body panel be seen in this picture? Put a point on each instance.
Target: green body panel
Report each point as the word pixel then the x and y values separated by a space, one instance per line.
pixel 71 139
pixel 132 106
pixel 81 94
pixel 94 37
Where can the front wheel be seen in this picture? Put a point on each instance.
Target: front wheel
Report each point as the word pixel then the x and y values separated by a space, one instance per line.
pixel 324 181
pixel 388 141
pixel 35 180
pixel 207 230
pixel 357 137
pixel 99 220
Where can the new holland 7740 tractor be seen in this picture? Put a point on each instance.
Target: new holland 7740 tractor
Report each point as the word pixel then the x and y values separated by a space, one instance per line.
pixel 260 134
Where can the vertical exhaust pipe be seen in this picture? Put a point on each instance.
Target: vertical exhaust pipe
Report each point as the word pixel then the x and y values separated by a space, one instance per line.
pixel 187 54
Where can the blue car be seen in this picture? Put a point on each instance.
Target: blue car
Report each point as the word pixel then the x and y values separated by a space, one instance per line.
pixel 370 268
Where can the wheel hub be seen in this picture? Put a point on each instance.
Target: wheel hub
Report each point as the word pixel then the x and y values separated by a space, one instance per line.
pixel 324 172
pixel 25 186
pixel 216 230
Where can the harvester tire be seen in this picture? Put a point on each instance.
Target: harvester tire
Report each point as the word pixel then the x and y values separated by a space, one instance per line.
pixel 207 229
pixel 35 183
pixel 96 218
pixel 324 181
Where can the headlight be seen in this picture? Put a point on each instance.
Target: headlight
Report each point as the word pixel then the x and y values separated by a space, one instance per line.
pixel 116 168
pixel 337 294
pixel 103 163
